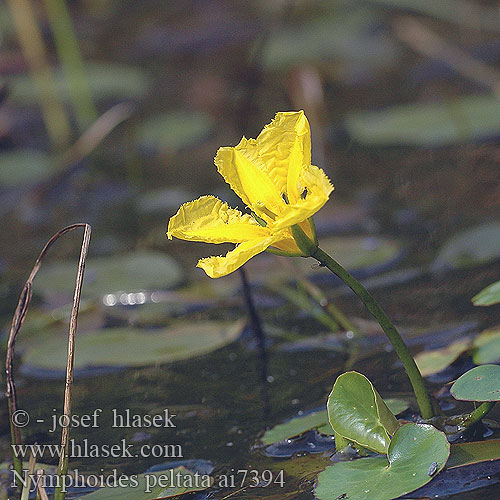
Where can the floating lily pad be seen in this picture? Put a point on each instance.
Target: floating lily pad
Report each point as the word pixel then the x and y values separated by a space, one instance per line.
pixel 169 483
pixel 396 405
pixel 358 413
pixel 104 275
pixel 106 81
pixel 174 130
pixel 472 453
pixel 41 322
pixel 449 11
pixel 430 124
pixel 298 425
pixel 489 296
pixel 124 347
pixel 471 247
pixel 24 167
pixel 346 36
pixel 487 347
pixel 416 454
pixel 482 383
pixel 317 420
pixel 434 361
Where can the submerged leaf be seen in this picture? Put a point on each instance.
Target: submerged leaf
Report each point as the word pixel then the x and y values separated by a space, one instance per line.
pixel 482 383
pixel 416 454
pixel 358 413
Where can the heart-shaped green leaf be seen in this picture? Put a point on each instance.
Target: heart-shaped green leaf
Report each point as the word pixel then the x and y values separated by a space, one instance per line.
pixel 487 347
pixel 417 452
pixel 434 361
pixel 358 413
pixel 489 296
pixel 482 383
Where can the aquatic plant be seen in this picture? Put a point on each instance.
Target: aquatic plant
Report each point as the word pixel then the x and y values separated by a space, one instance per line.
pixel 274 178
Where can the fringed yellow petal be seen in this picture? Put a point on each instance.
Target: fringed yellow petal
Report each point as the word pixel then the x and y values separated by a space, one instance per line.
pixel 266 168
pixel 284 146
pixel 295 165
pixel 210 220
pixel 316 189
pixel 247 177
pixel 215 267
pixel 273 176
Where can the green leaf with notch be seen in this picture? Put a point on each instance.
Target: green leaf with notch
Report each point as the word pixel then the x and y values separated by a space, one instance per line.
pixel 358 413
pixel 417 452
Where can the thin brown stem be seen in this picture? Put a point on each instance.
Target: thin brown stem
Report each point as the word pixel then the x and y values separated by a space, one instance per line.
pixel 17 322
pixel 62 469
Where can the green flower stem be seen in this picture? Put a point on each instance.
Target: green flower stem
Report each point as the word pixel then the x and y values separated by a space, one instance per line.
pixel 390 330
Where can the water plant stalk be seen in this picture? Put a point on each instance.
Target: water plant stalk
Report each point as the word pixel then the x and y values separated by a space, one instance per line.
pixel 68 50
pixel 387 326
pixel 469 419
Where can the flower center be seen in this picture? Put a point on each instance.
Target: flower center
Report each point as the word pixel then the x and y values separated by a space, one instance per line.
pixel 260 207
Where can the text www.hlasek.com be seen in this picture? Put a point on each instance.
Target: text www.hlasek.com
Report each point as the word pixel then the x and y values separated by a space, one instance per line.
pixel 92 450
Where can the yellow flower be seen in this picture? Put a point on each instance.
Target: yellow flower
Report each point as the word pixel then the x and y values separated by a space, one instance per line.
pixel 274 177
